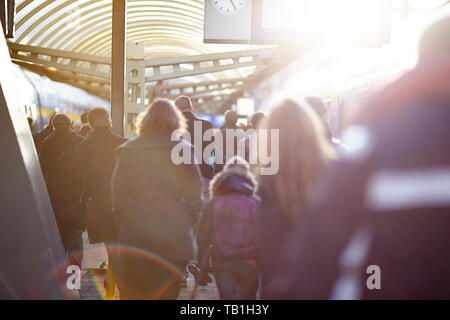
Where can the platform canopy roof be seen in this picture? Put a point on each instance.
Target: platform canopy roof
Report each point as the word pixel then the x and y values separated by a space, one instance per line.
pixel 169 28
pixel 61 38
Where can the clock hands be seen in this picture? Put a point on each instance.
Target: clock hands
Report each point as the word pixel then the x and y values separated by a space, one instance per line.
pixel 233 5
pixel 228 7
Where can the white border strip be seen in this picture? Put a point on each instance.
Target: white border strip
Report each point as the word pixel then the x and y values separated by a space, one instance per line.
pixel 408 189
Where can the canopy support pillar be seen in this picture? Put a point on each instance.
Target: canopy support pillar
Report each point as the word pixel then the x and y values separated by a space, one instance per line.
pixel 118 65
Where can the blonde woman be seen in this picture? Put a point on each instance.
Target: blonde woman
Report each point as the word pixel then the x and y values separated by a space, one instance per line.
pixel 157 203
pixel 303 155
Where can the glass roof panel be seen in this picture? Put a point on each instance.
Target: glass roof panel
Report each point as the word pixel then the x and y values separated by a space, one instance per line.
pixel 169 28
pixel 79 25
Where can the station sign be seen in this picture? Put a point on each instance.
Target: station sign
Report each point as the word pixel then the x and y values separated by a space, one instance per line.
pixel 343 23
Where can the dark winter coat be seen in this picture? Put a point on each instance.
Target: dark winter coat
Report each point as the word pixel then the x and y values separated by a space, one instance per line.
pixel 56 158
pixel 157 202
pixel 91 180
pixel 206 170
pixel 232 193
pixel 39 137
pixel 275 225
pixel 225 156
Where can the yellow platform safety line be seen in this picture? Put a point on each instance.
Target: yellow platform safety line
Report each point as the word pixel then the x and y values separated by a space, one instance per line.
pixel 49 112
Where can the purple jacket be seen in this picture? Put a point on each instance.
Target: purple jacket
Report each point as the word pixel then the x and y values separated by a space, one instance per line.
pixel 230 221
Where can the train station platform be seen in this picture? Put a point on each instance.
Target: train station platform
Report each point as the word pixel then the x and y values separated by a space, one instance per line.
pixel 324 78
pixel 93 275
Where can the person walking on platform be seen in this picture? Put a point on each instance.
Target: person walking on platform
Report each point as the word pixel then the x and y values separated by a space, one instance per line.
pixel 85 128
pixel 318 105
pixel 230 125
pixel 84 118
pixel 304 154
pixel 381 229
pixel 184 104
pixel 230 224
pixel 44 133
pixel 157 203
pixel 90 186
pixel 56 158
pixel 244 144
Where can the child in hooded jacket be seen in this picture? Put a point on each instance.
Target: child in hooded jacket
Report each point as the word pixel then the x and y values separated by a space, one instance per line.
pixel 230 223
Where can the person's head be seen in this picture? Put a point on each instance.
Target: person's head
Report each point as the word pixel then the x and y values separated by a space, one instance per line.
pixel 50 120
pixel 235 177
pixel 237 163
pixel 256 119
pixel 303 152
pixel 76 124
pixel 435 40
pixel 231 117
pixel 184 103
pixel 85 130
pixel 160 117
pixel 84 117
pixel 61 121
pixel 99 118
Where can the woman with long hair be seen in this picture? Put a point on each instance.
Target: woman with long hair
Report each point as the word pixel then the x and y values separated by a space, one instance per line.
pixel 303 154
pixel 157 202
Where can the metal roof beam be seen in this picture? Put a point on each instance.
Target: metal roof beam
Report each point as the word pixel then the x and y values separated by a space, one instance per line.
pixel 59 53
pixel 192 89
pixel 61 60
pixel 200 95
pixel 216 62
pixel 202 84
pixel 88 71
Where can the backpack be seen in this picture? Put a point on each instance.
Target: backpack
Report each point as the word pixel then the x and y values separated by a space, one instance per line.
pixel 235 232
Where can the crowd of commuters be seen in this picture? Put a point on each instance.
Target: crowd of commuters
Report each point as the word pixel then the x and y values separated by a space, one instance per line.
pixel 311 230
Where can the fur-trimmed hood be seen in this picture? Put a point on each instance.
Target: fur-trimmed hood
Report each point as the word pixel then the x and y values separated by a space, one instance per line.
pixel 233 181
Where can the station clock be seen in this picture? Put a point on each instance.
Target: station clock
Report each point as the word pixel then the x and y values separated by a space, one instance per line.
pixel 228 7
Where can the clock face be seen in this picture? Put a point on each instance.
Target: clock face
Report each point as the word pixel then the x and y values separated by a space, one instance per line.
pixel 228 7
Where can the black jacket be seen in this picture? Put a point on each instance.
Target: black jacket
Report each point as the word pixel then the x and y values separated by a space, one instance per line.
pixel 56 158
pixel 226 156
pixel 157 201
pixel 274 228
pixel 91 178
pixel 39 137
pixel 206 170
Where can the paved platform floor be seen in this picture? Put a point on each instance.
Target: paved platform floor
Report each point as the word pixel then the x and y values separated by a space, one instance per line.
pixel 94 271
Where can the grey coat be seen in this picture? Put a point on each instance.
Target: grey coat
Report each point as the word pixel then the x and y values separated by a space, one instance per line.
pixel 156 202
